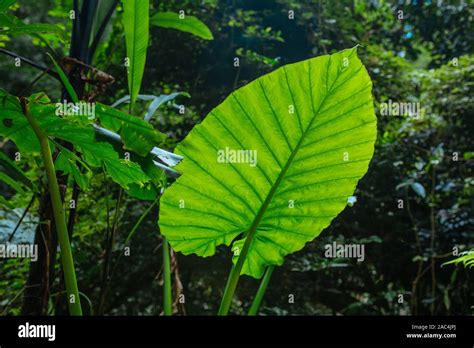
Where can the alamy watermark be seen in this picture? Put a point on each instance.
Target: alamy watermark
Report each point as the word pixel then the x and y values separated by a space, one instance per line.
pixel 24 251
pixel 394 108
pixel 229 155
pixel 76 109
pixel 28 330
pixel 346 251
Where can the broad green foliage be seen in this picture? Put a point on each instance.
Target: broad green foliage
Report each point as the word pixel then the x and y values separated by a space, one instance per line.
pixel 5 4
pixel 137 134
pixel 13 26
pixel 136 27
pixel 188 24
pixel 69 163
pixel 311 128
pixel 13 125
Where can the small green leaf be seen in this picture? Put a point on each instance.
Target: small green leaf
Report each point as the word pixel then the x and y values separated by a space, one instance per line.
pixel 68 165
pixel 14 126
pixel 137 135
pixel 70 89
pixel 419 189
pixel 188 24
pixel 125 172
pixel 67 162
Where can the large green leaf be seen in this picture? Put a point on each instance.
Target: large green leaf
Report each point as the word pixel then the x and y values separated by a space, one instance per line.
pixel 14 125
pixel 188 24
pixel 308 162
pixel 136 26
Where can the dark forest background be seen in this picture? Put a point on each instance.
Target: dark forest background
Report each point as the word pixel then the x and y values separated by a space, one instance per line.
pixel 425 57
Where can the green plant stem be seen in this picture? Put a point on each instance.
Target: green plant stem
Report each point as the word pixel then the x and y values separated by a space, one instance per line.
pixel 140 220
pixel 234 276
pixel 59 216
pixel 235 272
pixel 166 278
pixel 261 291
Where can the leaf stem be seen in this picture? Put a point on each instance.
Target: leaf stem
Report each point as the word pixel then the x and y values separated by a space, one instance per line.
pixel 234 276
pixel 59 215
pixel 140 219
pixel 235 272
pixel 261 291
pixel 166 278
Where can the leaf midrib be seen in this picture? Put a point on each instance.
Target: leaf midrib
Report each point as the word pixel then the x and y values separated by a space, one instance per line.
pixel 134 50
pixel 134 47
pixel 252 230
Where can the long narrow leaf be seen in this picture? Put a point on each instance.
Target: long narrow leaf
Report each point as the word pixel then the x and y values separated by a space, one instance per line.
pixel 70 89
pixel 136 26
pixel 11 182
pixel 5 4
pixel 16 172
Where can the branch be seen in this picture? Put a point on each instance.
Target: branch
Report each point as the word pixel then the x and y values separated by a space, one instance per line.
pixel 44 69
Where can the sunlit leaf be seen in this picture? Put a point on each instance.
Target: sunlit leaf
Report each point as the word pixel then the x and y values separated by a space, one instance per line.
pixel 466 258
pixel 308 130
pixel 188 24
pixel 137 135
pixel 136 26
pixel 13 125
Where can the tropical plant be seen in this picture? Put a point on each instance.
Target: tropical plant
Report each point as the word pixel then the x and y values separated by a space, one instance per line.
pixel 411 212
pixel 466 259
pixel 80 144
pixel 309 129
